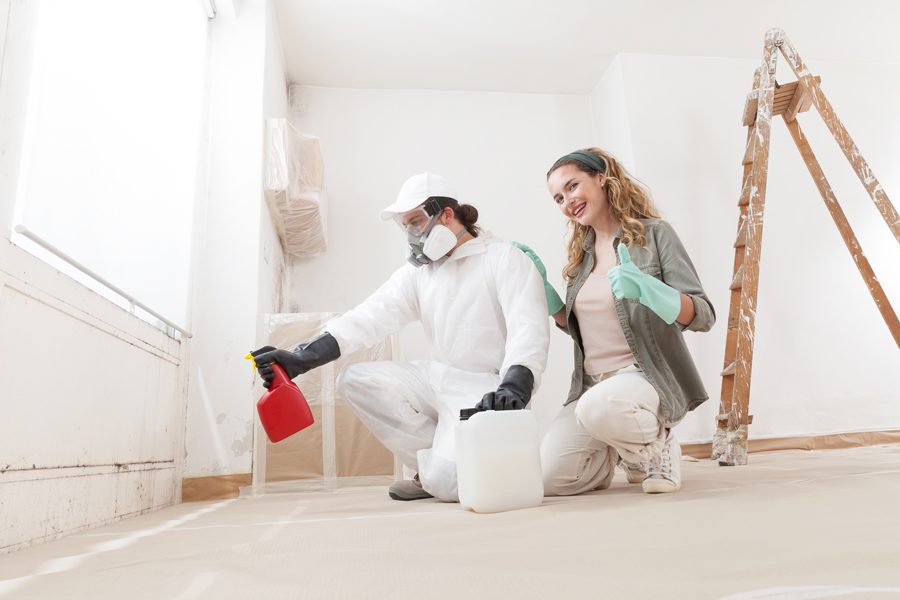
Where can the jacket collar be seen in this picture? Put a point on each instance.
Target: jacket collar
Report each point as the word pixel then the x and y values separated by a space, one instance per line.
pixel 588 244
pixel 475 246
pixel 591 238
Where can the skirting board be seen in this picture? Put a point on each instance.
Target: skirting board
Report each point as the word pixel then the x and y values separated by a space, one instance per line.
pixel 853 439
pixel 217 487
pixel 223 487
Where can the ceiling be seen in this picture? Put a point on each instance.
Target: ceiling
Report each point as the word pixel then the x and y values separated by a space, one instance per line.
pixel 556 47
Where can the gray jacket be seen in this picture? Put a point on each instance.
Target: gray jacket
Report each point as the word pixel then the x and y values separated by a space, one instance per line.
pixel 659 349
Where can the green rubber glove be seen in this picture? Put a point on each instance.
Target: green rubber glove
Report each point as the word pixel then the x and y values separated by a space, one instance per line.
pixel 627 281
pixel 554 302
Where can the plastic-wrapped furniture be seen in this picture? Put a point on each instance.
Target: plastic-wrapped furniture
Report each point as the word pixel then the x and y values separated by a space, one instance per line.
pixel 294 188
pixel 337 451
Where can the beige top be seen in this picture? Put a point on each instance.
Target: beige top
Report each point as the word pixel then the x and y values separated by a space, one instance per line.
pixel 605 347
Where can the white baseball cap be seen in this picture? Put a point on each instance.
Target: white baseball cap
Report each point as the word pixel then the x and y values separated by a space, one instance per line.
pixel 417 190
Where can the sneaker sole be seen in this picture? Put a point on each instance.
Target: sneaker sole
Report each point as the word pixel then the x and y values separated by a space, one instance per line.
pixel 406 498
pixel 660 487
pixel 639 478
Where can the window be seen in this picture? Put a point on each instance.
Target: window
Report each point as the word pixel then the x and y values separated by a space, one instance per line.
pixel 110 154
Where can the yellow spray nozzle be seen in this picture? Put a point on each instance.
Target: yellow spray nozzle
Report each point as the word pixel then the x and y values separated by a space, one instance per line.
pixel 250 357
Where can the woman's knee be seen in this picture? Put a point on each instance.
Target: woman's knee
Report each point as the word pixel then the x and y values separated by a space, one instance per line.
pixel 609 418
pixel 561 482
pixel 556 483
pixel 564 476
pixel 599 414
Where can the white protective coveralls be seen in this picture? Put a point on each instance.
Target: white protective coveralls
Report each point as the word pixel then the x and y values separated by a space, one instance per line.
pixel 483 310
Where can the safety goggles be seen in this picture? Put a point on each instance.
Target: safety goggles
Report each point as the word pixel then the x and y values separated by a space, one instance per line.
pixel 419 220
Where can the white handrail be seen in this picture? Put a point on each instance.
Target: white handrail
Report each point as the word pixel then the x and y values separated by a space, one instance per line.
pixel 21 229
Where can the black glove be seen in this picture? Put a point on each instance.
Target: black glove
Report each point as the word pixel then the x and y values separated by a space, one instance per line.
pixel 514 391
pixel 301 359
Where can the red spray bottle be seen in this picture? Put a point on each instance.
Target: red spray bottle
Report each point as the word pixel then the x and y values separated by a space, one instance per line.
pixel 283 411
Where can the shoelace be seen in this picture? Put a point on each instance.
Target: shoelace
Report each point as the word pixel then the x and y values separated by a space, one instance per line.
pixel 661 466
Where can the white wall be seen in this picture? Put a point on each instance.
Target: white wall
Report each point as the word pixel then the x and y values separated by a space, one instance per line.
pixel 494 148
pixel 91 407
pixel 237 262
pixel 91 395
pixel 275 105
pixel 609 112
pixel 271 253
pixel 823 359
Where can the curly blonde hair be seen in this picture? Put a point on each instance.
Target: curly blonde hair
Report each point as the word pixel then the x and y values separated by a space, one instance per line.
pixel 628 199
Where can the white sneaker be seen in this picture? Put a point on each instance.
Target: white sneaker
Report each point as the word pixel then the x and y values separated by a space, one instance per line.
pixel 664 474
pixel 634 472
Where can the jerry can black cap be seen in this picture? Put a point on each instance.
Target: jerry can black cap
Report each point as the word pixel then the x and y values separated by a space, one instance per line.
pixel 465 413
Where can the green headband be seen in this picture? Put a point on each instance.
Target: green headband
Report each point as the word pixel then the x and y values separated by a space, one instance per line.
pixel 588 158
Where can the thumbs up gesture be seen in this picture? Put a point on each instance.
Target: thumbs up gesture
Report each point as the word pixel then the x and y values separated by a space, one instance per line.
pixel 624 278
pixel 628 281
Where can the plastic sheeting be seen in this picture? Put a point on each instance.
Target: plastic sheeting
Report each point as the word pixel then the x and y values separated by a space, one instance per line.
pixel 799 519
pixel 337 451
pixel 295 188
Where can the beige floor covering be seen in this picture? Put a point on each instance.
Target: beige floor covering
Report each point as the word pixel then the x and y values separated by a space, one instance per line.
pixel 789 526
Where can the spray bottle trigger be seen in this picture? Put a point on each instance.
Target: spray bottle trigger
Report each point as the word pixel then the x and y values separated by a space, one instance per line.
pixel 252 360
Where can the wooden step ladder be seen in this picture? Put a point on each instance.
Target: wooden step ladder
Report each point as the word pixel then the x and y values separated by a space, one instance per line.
pixel 767 100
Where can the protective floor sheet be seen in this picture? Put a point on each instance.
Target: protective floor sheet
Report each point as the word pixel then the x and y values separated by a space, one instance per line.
pixel 787 526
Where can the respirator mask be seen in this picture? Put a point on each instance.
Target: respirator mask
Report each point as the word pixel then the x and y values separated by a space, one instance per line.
pixel 427 239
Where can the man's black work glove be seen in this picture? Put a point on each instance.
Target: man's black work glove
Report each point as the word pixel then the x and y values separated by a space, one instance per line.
pixel 298 361
pixel 514 391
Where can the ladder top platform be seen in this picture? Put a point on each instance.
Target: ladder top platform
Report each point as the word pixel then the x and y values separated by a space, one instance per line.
pixel 784 95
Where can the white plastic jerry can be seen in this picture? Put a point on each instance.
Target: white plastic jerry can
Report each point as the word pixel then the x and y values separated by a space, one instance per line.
pixel 498 460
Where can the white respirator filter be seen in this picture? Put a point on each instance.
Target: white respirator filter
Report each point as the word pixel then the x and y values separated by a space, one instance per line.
pixel 440 241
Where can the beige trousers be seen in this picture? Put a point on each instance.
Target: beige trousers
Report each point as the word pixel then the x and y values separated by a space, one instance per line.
pixel 619 416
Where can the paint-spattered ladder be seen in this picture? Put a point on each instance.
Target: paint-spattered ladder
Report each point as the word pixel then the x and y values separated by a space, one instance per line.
pixel 767 100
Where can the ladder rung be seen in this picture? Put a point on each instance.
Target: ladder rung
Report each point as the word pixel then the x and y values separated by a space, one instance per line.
pixel 745 192
pixel 742 234
pixel 748 152
pixel 729 370
pixel 738 279
pixel 751 105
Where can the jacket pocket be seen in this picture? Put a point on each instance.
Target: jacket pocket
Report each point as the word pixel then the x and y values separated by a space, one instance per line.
pixel 651 269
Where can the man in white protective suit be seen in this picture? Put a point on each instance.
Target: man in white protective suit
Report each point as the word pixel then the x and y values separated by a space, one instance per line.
pixel 483 308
